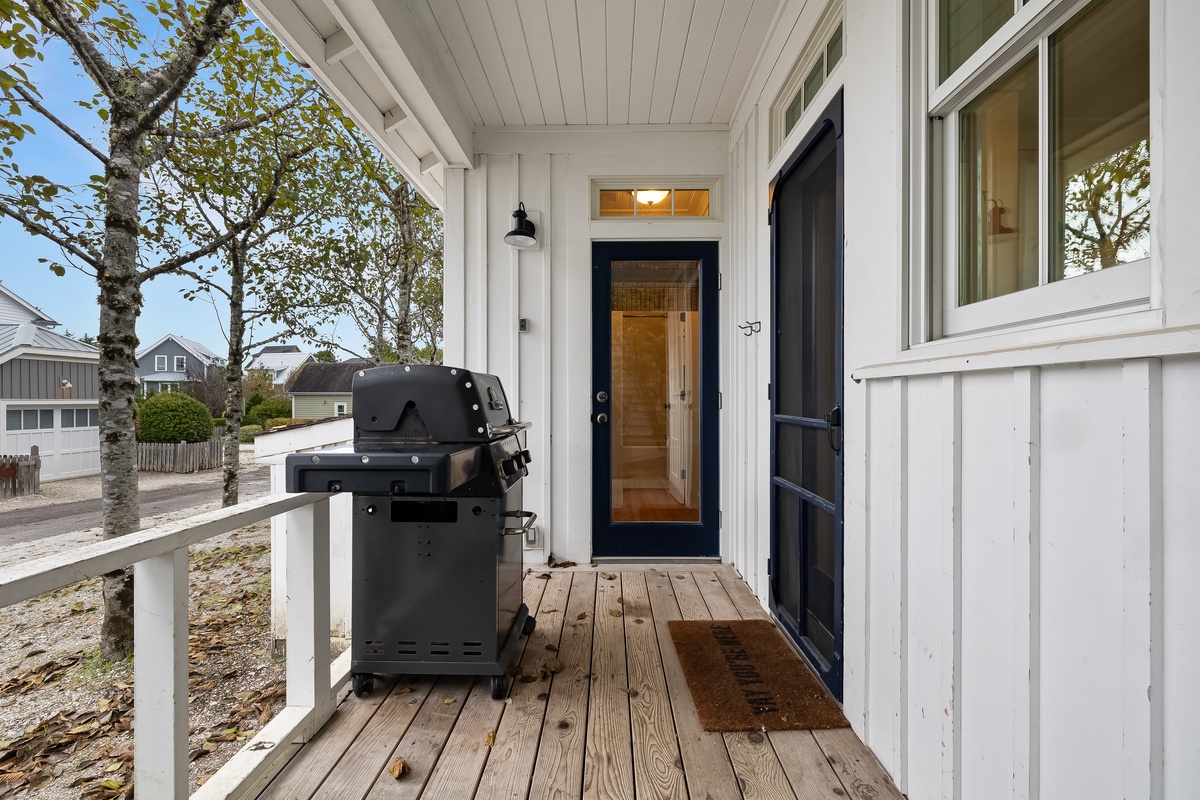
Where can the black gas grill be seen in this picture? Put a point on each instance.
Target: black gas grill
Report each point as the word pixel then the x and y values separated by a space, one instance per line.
pixel 435 469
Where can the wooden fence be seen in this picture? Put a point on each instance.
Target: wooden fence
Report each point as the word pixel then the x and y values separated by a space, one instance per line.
pixel 21 475
pixel 154 457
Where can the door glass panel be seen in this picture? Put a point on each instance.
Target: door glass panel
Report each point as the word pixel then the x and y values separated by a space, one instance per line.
pixel 806 294
pixel 806 459
pixel 787 520
pixel 655 417
pixel 819 545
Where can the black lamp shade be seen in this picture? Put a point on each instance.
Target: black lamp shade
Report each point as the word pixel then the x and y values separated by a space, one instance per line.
pixel 523 233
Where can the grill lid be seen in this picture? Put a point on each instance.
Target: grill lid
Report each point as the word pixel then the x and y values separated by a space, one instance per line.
pixel 428 403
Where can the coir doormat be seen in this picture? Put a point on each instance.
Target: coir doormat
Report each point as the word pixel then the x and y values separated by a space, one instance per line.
pixel 744 677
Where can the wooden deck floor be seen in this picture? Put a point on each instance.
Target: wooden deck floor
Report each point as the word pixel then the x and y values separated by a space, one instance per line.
pixel 617 721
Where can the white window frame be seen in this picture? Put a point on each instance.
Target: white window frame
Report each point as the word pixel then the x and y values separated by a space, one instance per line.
pixel 934 312
pixel 180 364
pixel 160 363
pixel 339 409
pixel 661 182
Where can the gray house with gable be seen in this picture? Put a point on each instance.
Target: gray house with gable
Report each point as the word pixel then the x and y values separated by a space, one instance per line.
pixel 173 361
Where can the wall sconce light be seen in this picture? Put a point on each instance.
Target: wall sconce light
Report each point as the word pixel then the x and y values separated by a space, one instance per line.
pixel 65 384
pixel 524 232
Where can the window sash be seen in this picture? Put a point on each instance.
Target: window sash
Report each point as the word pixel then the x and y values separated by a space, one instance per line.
pixel 180 363
pixel 160 363
pixel 1123 287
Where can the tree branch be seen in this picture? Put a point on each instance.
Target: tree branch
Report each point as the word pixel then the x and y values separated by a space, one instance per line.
pixel 67 245
pixel 231 127
pixel 28 97
pixel 57 17
pixel 168 81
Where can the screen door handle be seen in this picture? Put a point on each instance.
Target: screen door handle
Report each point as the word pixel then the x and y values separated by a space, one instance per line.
pixel 833 420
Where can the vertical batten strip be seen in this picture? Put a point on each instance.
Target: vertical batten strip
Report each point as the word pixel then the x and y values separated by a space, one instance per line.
pixel 1141 413
pixel 160 625
pixel 900 517
pixel 454 276
pixel 308 612
pixel 952 561
pixel 1027 455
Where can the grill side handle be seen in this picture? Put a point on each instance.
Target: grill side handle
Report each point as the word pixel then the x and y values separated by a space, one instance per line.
pixel 528 517
pixel 507 430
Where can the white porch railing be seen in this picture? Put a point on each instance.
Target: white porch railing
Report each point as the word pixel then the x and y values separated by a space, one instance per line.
pixel 159 559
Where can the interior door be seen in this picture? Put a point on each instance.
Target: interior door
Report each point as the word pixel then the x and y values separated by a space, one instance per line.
pixel 654 399
pixel 806 397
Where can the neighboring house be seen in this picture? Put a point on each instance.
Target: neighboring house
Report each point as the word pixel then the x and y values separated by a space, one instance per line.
pixel 173 361
pixel 49 390
pixel 281 361
pixel 895 306
pixel 323 390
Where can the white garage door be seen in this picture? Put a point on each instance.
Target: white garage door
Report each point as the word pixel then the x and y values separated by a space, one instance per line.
pixel 68 439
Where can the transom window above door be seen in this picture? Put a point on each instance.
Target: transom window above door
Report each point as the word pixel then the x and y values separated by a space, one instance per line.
pixel 822 53
pixel 1041 120
pixel 654 198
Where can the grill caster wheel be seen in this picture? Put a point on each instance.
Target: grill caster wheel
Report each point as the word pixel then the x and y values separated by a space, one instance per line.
pixel 363 683
pixel 499 686
pixel 530 624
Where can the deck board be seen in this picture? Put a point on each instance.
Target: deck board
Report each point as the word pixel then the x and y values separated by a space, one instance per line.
pixel 616 722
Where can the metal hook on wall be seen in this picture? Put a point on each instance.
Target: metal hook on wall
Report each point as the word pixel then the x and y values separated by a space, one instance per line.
pixel 750 328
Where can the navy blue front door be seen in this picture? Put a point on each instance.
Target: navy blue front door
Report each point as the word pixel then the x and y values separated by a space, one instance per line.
pixel 654 399
pixel 806 397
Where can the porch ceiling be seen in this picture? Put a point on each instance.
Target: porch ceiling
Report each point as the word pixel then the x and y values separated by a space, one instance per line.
pixel 421 76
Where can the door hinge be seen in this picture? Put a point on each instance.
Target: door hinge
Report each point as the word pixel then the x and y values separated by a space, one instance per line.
pixel 720 519
pixel 720 278
pixel 768 391
pixel 720 400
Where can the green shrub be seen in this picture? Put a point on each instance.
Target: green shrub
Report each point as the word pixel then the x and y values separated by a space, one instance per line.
pixel 218 422
pixel 173 417
pixel 248 432
pixel 273 408
pixel 254 400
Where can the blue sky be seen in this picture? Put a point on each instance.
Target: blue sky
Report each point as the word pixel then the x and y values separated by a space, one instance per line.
pixel 71 300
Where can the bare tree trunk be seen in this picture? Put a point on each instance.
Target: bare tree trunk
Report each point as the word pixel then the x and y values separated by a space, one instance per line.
pixel 233 375
pixel 120 305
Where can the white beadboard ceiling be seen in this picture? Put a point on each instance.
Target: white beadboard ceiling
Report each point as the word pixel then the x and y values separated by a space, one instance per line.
pixel 421 76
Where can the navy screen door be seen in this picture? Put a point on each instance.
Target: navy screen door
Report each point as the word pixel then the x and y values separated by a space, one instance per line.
pixel 806 397
pixel 654 399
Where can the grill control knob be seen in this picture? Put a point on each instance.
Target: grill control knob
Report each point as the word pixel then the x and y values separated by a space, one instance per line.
pixel 525 455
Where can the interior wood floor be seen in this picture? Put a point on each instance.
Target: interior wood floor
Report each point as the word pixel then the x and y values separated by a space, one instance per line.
pixel 616 722
pixel 653 505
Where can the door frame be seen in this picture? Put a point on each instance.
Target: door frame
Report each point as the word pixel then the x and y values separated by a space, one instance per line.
pixel 656 539
pixel 831 674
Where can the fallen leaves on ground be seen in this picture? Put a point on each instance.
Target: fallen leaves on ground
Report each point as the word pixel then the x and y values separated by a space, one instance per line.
pixel 399 768
pixel 48 672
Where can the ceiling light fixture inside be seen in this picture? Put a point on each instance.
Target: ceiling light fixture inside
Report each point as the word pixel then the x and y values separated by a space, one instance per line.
pixel 649 197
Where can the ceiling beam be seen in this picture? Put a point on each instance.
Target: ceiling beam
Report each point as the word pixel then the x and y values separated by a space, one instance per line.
pixel 429 162
pixel 393 117
pixel 338 46
pixel 294 29
pixel 391 39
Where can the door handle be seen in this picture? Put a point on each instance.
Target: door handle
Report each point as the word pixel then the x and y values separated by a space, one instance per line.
pixel 833 420
pixel 602 419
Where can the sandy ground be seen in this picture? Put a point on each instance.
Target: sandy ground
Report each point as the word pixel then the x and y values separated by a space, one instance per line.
pixel 65 714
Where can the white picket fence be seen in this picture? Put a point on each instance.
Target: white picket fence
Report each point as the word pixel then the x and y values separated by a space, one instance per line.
pixel 159 559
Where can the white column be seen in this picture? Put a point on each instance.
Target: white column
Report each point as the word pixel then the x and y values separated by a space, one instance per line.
pixel 308 611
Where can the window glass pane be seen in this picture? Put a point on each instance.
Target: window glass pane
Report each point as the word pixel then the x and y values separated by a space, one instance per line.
pixel 1100 101
pixel 30 422
pixel 653 203
pixel 12 420
pixel 833 50
pixel 964 25
pixel 47 418
pixel 68 417
pixel 617 203
pixel 998 192
pixel 792 115
pixel 691 202
pixel 812 83
pixel 93 418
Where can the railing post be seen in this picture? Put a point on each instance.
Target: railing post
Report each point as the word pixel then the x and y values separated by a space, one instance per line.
pixel 307 568
pixel 160 668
